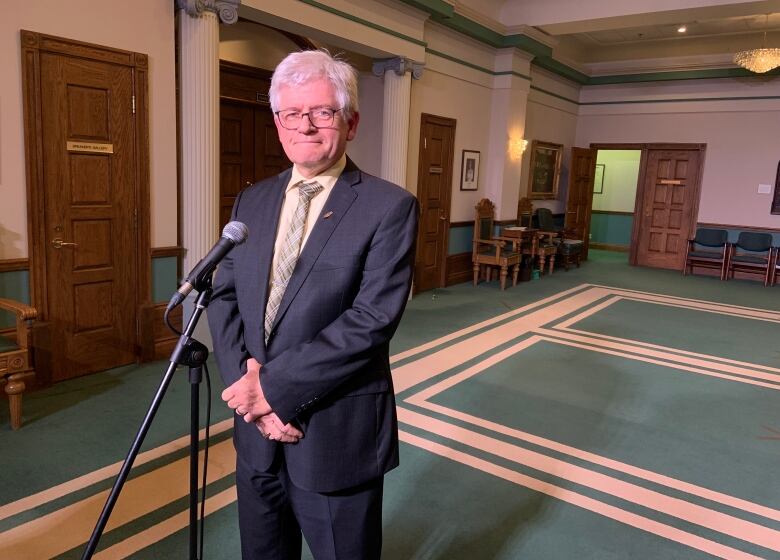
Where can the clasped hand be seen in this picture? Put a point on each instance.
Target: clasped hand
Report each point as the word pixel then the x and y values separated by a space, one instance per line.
pixel 245 396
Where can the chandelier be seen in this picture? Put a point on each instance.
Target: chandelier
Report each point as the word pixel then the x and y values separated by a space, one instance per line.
pixel 759 60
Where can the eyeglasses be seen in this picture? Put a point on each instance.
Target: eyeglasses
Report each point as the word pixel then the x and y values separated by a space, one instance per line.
pixel 322 117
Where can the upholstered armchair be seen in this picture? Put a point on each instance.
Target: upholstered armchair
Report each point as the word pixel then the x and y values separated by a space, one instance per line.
pixel 16 368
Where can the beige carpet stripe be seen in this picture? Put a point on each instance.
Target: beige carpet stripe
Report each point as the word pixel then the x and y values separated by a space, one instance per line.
pixel 422 399
pixel 413 373
pixel 590 504
pixel 164 529
pixel 692 513
pixel 73 485
pixel 71 526
pixel 676 351
pixel 468 330
pixel 631 351
pixel 733 309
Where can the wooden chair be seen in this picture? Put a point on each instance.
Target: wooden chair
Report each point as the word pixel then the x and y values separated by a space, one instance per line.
pixel 569 246
pixel 709 248
pixel 752 253
pixel 16 366
pixel 488 251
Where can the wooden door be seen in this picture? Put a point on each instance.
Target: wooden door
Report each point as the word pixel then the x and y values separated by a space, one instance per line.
pixel 437 142
pixel 89 173
pixel 579 198
pixel 668 200
pixel 249 150
pixel 236 161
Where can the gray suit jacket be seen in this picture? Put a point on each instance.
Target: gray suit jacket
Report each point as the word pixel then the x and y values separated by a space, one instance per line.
pixel 326 363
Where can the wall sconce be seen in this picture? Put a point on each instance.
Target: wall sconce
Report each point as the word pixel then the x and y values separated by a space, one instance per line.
pixel 517 147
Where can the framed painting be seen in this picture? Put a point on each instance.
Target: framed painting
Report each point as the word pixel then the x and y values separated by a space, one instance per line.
pixel 544 170
pixel 598 179
pixel 469 171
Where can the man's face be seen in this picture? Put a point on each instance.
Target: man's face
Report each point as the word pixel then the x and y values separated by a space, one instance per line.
pixel 312 149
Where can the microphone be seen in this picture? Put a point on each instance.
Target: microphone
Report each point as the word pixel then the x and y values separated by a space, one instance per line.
pixel 235 233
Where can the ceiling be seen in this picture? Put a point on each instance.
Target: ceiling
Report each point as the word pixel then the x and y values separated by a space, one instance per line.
pixel 600 36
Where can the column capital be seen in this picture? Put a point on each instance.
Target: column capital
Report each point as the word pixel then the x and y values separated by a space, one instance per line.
pixel 399 65
pixel 226 10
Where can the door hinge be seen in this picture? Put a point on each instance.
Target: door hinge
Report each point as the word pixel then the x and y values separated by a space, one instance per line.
pixel 133 100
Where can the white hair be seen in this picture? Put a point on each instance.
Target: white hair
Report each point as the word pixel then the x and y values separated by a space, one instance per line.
pixel 302 67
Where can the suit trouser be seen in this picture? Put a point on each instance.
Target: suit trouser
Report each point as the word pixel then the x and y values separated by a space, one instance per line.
pixel 273 512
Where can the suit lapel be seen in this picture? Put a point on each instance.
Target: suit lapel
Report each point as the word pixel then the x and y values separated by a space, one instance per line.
pixel 341 198
pixel 265 214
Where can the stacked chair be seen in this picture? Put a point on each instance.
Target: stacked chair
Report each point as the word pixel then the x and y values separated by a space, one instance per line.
pixel 752 253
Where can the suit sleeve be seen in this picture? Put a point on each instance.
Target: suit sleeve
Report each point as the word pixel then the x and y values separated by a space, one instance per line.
pixel 225 324
pixel 297 378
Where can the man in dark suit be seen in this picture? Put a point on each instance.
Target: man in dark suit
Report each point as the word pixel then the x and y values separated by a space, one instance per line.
pixel 302 316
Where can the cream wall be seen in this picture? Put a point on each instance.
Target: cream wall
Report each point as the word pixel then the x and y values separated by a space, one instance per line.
pixel 621 171
pixel 737 119
pixel 145 26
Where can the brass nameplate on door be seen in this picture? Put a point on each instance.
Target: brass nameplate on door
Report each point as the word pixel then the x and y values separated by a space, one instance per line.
pixel 671 182
pixel 435 170
pixel 91 147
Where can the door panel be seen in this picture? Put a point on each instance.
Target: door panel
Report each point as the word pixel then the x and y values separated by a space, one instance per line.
pixel 90 214
pixel 249 151
pixel 579 198
pixel 669 199
pixel 437 141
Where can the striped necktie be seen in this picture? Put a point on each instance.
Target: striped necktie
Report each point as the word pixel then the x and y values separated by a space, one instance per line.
pixel 289 252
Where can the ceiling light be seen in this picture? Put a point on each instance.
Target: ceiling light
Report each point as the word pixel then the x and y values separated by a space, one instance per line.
pixel 759 60
pixel 682 29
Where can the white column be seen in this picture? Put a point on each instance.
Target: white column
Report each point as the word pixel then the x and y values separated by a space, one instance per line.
pixel 198 44
pixel 397 73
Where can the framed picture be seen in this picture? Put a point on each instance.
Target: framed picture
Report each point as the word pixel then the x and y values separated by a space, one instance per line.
pixel 598 179
pixel 544 171
pixel 469 170
pixel 776 195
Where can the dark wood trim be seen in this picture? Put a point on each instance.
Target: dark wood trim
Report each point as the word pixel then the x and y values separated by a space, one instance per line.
pixel 32 45
pixel 610 247
pixel 647 146
pixel 461 224
pixel 616 146
pixel 13 265
pixel 738 227
pixel 239 101
pixel 158 252
pixel 459 268
pixel 244 69
pixel 612 212
pixel 9 333
pixel 157 342
pixel 503 223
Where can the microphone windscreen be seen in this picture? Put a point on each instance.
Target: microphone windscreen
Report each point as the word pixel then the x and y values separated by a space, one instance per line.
pixel 237 232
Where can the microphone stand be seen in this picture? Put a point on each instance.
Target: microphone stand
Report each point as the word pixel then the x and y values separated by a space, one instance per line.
pixel 188 352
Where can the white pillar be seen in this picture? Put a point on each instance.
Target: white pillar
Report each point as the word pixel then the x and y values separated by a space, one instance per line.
pixel 397 73
pixel 198 44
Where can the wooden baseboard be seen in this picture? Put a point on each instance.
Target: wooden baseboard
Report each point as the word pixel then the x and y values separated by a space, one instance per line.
pixel 12 265
pixel 610 247
pixel 458 268
pixel 157 341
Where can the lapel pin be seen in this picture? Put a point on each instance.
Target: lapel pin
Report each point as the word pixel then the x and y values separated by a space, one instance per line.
pixel 327 215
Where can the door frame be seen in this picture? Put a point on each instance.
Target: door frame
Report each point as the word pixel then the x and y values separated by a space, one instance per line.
pixel 33 44
pixel 444 121
pixel 640 186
